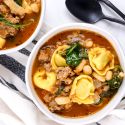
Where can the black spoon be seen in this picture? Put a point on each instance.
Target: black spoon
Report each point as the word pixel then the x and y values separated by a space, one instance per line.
pixel 108 3
pixel 89 11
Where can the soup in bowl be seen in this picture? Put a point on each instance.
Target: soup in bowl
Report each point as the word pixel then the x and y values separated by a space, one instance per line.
pixel 20 21
pixel 75 74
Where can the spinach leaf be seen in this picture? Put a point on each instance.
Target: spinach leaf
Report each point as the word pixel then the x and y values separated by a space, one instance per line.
pixel 108 93
pixel 19 2
pixel 117 69
pixel 73 59
pixel 116 81
pixel 105 94
pixel 75 54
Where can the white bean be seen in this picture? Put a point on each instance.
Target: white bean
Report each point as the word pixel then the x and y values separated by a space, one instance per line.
pixel 109 75
pixel 121 74
pixel 106 88
pixel 80 66
pixel 88 43
pixel 62 100
pixel 87 70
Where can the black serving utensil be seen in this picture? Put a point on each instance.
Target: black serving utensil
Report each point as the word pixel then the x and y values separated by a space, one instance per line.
pixel 108 3
pixel 89 11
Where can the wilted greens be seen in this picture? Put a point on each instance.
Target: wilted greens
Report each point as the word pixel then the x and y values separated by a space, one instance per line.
pixel 75 54
pixel 116 81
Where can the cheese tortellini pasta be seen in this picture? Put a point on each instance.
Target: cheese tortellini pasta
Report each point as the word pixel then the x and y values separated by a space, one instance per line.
pixel 101 60
pixel 2 42
pixel 57 60
pixel 82 90
pixel 44 80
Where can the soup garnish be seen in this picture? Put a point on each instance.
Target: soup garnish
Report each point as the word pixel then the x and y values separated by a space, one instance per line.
pixel 76 73
pixel 18 20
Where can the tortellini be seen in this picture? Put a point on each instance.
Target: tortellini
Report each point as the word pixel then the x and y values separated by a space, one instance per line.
pixel 44 80
pixel 101 60
pixel 2 42
pixel 57 60
pixel 82 90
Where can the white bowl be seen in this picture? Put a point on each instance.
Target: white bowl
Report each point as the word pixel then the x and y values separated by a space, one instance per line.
pixel 74 121
pixel 32 37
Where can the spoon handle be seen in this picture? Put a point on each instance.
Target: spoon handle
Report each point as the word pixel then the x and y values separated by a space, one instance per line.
pixel 108 3
pixel 114 20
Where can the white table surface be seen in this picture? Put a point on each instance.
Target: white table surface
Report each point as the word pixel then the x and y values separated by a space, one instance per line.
pixel 57 14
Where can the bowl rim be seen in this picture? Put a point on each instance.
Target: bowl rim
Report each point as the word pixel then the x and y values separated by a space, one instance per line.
pixel 82 120
pixel 32 37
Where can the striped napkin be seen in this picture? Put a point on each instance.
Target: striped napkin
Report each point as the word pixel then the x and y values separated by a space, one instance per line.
pixel 16 106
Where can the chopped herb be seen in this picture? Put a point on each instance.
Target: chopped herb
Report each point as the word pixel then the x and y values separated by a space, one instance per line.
pixel 72 48
pixel 8 23
pixel 75 54
pixel 16 26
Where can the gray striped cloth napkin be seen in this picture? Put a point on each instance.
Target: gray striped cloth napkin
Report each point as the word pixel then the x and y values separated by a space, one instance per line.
pixel 16 106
